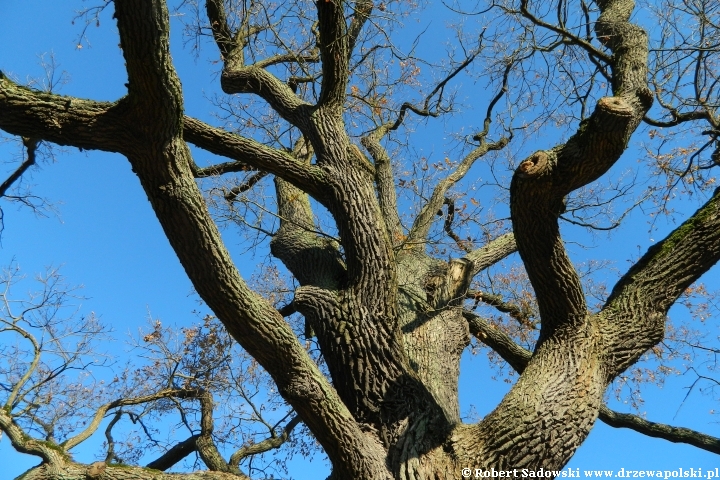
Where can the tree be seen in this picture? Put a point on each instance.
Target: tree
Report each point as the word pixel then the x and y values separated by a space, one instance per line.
pixel 390 317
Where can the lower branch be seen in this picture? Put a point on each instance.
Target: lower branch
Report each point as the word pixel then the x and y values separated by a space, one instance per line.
pixel 518 357
pixel 660 430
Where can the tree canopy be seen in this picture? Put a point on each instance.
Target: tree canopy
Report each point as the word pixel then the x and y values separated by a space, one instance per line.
pixel 383 262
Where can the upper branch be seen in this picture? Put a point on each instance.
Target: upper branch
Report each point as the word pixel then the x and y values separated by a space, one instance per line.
pixel 237 77
pixel 334 44
pixel 492 252
pixel 385 183
pixel 541 182
pixel 362 11
pixel 421 226
pixel 100 412
pixel 566 34
pixel 248 152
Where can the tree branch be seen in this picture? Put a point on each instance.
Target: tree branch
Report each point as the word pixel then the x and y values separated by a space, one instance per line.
pixel 31 146
pixel 543 180
pixel 163 163
pixel 174 455
pixel 274 441
pixel 334 44
pixel 85 124
pixel 100 412
pixel 492 252
pixel 247 152
pixel 24 443
pixel 421 226
pixel 660 430
pixel 634 313
pixel 518 357
pixel 385 183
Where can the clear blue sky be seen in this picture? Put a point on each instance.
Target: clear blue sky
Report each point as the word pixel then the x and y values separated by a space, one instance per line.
pixel 107 238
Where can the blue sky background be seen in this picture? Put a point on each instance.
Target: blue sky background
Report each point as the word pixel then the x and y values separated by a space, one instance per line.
pixel 107 238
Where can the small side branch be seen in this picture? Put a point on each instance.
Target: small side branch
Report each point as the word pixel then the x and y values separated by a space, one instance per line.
pixel 493 252
pixel 176 454
pixel 274 441
pixel 31 146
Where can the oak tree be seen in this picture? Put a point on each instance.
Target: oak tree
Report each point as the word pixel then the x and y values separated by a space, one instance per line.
pixel 318 100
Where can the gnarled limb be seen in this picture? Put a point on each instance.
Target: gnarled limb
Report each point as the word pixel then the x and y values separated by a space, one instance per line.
pixel 163 167
pixel 550 410
pixel 542 181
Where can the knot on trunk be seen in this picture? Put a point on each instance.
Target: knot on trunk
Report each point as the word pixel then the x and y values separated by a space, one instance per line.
pixel 95 471
pixel 615 106
pixel 535 165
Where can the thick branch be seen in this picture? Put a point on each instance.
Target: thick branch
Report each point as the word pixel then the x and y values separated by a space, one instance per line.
pixel 385 184
pixel 175 455
pixel 541 182
pixel 61 120
pixel 634 314
pixel 518 357
pixel 23 443
pixel 334 44
pixel 312 259
pixel 247 152
pixel 164 168
pixel 240 78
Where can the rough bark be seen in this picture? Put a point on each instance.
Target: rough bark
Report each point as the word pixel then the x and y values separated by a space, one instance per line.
pixel 388 317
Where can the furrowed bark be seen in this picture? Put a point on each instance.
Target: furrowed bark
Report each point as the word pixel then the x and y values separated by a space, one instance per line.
pixel 551 409
pixel 385 183
pixel 163 167
pixel 518 358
